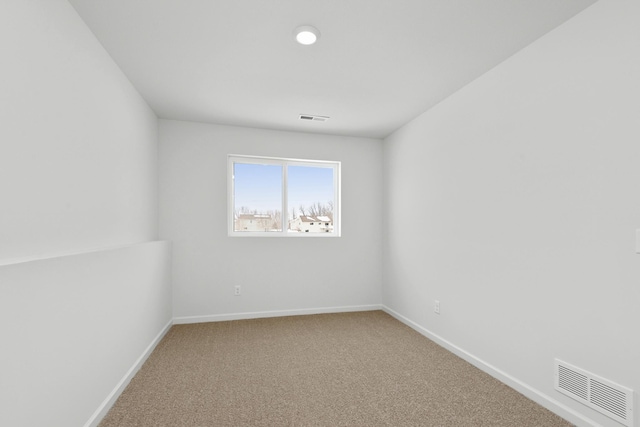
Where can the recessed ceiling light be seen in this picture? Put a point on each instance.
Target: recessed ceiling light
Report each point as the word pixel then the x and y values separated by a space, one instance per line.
pixel 306 34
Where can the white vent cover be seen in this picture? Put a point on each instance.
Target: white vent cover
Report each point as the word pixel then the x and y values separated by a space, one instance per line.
pixel 613 400
pixel 312 118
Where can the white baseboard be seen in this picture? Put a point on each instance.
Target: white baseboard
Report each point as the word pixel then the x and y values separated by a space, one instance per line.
pixel 102 410
pixel 523 388
pixel 277 313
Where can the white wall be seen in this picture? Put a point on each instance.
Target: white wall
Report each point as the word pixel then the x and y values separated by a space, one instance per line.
pixel 273 272
pixel 526 186
pixel 78 150
pixel 78 172
pixel 73 326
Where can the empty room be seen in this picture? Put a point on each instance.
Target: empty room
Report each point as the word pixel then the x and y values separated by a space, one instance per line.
pixel 319 213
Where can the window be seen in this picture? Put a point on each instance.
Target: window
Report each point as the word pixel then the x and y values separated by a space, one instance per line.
pixel 283 197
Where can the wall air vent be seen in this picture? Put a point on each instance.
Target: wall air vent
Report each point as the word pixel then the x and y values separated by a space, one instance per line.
pixel 613 400
pixel 312 118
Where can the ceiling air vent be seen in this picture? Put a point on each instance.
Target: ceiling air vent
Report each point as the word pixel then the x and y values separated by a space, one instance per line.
pixel 611 399
pixel 312 118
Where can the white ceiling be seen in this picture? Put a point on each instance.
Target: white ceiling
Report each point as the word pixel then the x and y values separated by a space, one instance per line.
pixel 377 64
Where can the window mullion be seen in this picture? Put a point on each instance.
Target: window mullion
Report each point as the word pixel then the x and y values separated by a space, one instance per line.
pixel 285 198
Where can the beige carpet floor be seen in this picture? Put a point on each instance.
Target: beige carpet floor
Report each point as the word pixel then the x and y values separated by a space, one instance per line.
pixel 347 369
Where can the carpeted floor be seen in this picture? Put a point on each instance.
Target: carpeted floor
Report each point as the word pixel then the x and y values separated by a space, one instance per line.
pixel 347 369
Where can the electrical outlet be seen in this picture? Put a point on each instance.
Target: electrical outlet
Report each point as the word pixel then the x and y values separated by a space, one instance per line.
pixel 436 306
pixel 237 290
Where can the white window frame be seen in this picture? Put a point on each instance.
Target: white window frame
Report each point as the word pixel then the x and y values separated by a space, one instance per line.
pixel 284 162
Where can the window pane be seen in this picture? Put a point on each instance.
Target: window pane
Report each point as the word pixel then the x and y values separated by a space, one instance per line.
pixel 310 199
pixel 257 197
